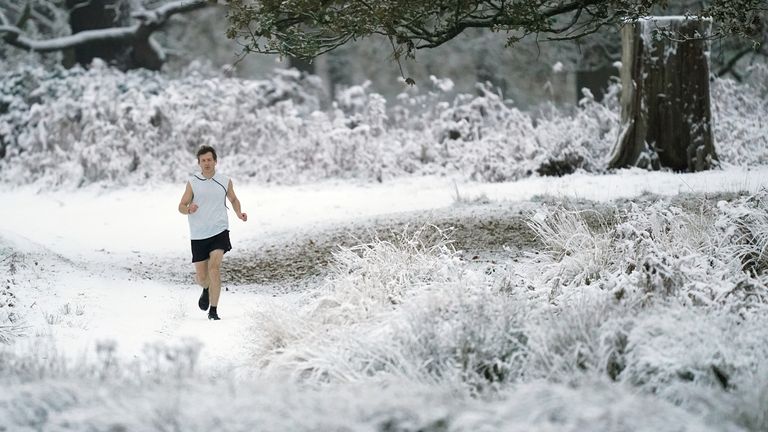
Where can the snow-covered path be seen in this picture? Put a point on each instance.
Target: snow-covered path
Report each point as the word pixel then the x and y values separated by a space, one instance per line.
pixel 132 220
pixel 73 308
pixel 83 291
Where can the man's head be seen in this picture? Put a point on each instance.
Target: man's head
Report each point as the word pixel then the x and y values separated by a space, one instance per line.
pixel 206 158
pixel 206 149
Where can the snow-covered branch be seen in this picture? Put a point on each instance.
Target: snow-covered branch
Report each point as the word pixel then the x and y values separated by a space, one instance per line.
pixel 149 21
pixel 14 37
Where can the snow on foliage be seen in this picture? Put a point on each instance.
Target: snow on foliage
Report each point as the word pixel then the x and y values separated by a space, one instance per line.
pixel 739 117
pixel 69 128
pixel 704 258
pixel 647 318
pixel 654 300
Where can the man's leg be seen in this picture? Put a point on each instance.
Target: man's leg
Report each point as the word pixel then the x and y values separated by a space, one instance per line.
pixel 214 275
pixel 203 279
pixel 201 274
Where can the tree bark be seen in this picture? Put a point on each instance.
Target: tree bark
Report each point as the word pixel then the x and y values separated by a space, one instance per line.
pixel 666 115
pixel 101 14
pixel 302 65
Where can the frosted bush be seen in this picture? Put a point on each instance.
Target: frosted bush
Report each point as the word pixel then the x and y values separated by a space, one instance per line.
pixel 698 258
pixel 705 347
pixel 592 131
pixel 589 404
pixel 457 334
pixel 465 333
pixel 745 225
pixel 677 309
pixel 373 276
pixel 584 335
pixel 579 254
pixel 76 127
pixel 405 309
pixel 739 113
pixel 367 283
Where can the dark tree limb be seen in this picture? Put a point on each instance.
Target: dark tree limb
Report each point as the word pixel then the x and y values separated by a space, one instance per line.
pixel 731 63
pixel 148 22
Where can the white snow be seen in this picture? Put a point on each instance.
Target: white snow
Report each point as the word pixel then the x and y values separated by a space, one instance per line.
pixel 80 295
pixel 101 231
pixel 90 222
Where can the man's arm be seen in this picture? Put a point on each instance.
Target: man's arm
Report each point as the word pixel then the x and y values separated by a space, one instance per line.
pixel 186 206
pixel 235 202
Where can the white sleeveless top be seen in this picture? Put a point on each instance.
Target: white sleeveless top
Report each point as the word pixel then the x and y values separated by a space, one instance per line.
pixel 210 195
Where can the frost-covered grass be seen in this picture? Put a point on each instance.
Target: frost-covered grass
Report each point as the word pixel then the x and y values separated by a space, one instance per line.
pixel 75 127
pixel 662 302
pixel 185 404
pixel 9 331
pixel 702 257
pixel 652 318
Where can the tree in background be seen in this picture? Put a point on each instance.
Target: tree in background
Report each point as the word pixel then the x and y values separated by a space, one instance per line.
pixel 310 28
pixel 121 32
pixel 307 28
pixel 525 72
pixel 666 115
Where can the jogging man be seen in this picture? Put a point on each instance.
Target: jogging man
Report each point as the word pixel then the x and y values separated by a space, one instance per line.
pixel 204 201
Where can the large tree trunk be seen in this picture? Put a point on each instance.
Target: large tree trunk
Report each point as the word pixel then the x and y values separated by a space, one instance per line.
pixel 123 54
pixel 100 14
pixel 666 116
pixel 302 65
pixel 595 80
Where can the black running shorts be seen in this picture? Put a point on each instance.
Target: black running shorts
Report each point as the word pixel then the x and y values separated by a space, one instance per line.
pixel 201 249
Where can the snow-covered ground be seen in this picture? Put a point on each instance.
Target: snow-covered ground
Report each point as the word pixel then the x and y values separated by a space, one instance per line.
pixel 69 258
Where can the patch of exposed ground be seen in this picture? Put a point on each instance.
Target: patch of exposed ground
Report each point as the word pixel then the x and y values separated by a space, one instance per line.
pixel 483 232
pixel 497 229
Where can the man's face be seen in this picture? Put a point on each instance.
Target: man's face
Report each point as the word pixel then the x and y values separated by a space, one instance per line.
pixel 206 162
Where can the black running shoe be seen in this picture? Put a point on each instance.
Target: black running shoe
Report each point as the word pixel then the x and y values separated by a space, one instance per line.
pixel 213 316
pixel 203 302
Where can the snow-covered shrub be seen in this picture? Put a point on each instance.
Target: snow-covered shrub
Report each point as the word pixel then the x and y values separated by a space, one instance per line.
pixel 584 335
pixel 458 334
pixel 465 333
pixel 76 127
pixel 404 309
pixel 367 282
pixel 373 276
pixel 670 345
pixel 677 308
pixel 710 361
pixel 589 404
pixel 487 139
pixel 580 140
pixel 745 225
pixel 699 258
pixel 740 118
pixel 580 253
pixel 40 361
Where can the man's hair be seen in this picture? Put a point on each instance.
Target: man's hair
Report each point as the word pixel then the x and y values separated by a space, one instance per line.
pixel 206 149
